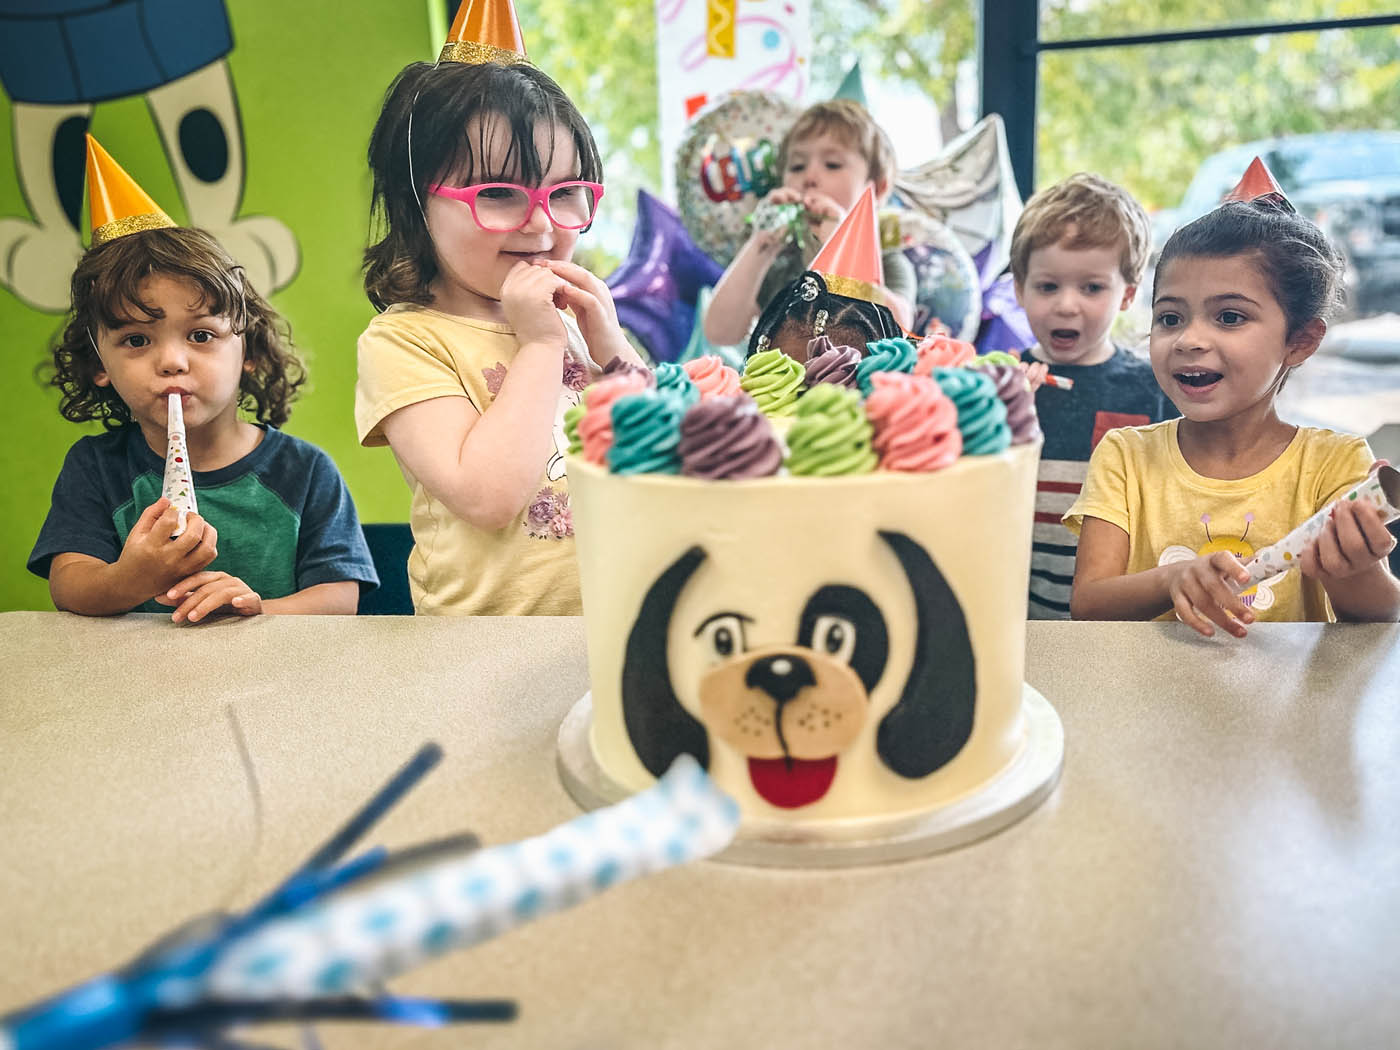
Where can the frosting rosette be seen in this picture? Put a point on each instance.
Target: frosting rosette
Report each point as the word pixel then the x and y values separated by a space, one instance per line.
pixel 831 435
pixel 572 416
pixel 995 358
pixel 621 366
pixel 885 355
pixel 728 438
pixel 829 363
pixel 646 433
pixel 774 381
pixel 1015 393
pixel 942 351
pixel 673 379
pixel 915 424
pixel 595 428
pixel 712 377
pixel 981 415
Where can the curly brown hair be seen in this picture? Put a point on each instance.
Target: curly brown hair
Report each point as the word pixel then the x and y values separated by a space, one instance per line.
pixel 107 292
pixel 437 102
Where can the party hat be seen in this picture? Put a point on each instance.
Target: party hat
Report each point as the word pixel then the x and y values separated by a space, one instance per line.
pixel 1258 186
pixel 178 487
pixel 850 261
pixel 485 31
pixel 852 86
pixel 118 205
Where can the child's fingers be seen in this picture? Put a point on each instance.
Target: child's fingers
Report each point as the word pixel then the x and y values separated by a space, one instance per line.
pixel 147 521
pixel 214 597
pixel 1187 614
pixel 573 273
pixel 1328 551
pixel 191 583
pixel 1370 528
pixel 247 604
pixel 205 551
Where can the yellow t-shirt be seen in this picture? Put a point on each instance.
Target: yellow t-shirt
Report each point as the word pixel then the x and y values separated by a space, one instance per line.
pixel 1139 481
pixel 410 354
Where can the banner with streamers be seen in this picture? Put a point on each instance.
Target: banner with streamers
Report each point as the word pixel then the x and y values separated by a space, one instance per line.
pixel 705 48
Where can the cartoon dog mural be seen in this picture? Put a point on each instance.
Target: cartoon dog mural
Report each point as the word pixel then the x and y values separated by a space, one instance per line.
pixel 60 59
pixel 792 708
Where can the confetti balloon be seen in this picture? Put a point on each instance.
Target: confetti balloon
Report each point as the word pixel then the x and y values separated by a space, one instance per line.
pixel 727 162
pixel 949 288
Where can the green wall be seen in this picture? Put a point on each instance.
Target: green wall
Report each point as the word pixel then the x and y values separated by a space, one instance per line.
pixel 309 79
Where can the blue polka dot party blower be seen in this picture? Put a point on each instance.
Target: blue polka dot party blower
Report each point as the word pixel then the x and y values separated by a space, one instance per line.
pixel 320 946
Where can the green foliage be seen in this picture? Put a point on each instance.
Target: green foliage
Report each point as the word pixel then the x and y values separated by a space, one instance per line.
pixel 1143 116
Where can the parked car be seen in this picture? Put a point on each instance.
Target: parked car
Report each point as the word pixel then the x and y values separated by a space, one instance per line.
pixel 1348 182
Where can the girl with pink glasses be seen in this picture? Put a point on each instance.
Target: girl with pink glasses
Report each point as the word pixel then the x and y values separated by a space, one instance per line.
pixel 484 177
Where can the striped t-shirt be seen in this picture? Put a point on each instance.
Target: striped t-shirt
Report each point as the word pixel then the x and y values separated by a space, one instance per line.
pixel 1120 392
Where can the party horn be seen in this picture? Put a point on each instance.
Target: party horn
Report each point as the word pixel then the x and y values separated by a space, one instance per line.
pixel 178 487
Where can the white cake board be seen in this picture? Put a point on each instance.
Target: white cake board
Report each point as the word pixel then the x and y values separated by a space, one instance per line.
pixel 1003 800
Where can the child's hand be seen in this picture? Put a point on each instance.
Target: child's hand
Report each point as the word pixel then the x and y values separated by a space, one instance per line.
pixel 197 596
pixel 153 558
pixel 823 213
pixel 532 297
pixel 770 242
pixel 1200 591
pixel 592 304
pixel 1353 541
pixel 1035 372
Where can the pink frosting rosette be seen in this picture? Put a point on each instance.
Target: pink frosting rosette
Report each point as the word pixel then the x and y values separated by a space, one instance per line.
pixel 915 424
pixel 712 377
pixel 941 351
pixel 595 429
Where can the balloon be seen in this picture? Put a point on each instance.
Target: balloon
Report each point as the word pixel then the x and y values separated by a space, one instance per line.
pixel 949 287
pixel 656 287
pixel 726 163
pixel 1004 323
pixel 970 188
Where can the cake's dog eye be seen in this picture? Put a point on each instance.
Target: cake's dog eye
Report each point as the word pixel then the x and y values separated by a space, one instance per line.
pixel 723 636
pixel 834 636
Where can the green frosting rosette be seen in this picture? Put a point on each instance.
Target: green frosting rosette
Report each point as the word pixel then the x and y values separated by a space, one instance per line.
pixel 996 357
pixel 885 355
pixel 646 434
pixel 831 435
pixel 774 380
pixel 571 417
pixel 672 378
pixel 981 413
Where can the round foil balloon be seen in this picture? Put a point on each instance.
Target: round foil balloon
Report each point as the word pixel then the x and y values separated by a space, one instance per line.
pixel 727 162
pixel 949 288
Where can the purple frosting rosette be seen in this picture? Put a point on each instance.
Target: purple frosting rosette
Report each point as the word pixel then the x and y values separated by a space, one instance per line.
pixel 829 363
pixel 1015 394
pixel 728 438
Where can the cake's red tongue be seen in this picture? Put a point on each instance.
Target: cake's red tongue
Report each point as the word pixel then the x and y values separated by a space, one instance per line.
pixel 791 782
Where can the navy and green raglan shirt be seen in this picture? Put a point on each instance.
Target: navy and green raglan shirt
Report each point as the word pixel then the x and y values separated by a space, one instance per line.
pixel 285 518
pixel 1120 392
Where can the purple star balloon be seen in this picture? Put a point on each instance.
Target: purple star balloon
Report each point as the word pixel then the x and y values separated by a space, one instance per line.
pixel 656 287
pixel 1004 324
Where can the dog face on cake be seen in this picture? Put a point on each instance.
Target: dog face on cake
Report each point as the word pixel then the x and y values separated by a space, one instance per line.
pixel 840 680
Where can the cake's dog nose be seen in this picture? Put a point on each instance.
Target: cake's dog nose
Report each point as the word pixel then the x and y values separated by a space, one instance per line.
pixel 781 677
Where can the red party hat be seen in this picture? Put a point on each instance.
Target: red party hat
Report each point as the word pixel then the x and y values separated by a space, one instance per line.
pixel 850 261
pixel 1258 186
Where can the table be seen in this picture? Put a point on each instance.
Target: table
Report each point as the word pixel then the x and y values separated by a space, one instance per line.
pixel 1220 865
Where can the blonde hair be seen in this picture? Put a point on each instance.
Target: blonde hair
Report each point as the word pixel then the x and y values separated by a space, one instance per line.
pixel 851 123
pixel 1102 215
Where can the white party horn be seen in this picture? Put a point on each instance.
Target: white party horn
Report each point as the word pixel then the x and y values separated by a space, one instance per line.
pixel 178 487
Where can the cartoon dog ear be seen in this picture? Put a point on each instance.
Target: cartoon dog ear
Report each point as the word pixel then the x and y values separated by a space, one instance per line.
pixel 933 718
pixel 659 727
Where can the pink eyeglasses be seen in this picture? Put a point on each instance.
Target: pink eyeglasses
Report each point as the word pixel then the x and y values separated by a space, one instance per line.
pixel 501 207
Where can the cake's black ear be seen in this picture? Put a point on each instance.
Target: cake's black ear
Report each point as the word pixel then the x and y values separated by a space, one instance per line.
pixel 933 718
pixel 659 727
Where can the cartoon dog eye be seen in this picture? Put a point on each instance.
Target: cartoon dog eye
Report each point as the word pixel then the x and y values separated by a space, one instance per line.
pixel 722 635
pixel 835 636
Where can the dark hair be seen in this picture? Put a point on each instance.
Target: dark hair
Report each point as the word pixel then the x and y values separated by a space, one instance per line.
pixel 107 291
pixel 437 102
pixel 1303 270
pixel 798 305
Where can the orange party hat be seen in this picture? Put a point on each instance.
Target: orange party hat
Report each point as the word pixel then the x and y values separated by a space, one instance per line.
pixel 484 31
pixel 1258 186
pixel 117 204
pixel 850 261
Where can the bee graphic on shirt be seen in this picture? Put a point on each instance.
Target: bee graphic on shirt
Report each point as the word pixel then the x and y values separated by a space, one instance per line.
pixel 1261 595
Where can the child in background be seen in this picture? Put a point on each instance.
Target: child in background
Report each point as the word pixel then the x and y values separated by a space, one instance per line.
pixel 826 159
pixel 1077 255
pixel 164 310
pixel 484 176
pixel 1170 512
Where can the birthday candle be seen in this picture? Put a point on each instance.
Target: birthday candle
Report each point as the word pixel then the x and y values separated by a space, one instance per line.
pixel 355 939
pixel 179 479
